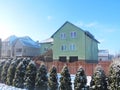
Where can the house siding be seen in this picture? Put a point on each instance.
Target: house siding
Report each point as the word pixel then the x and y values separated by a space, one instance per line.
pixel 45 47
pixel 91 49
pixel 86 48
pixel 6 49
pixel 26 50
pixel 18 45
pixel 78 41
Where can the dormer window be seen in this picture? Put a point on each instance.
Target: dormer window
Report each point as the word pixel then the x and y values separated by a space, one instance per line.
pixel 63 36
pixel 73 34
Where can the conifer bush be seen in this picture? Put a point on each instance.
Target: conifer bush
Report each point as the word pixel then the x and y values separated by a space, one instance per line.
pixel 18 80
pixel 114 75
pixel 53 79
pixel 41 78
pixel 11 71
pixel 98 81
pixel 30 75
pixel 80 80
pixel 4 71
pixel 65 79
pixel 1 66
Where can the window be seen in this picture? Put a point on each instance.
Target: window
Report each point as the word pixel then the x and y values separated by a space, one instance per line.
pixel 73 34
pixel 19 50
pixel 63 48
pixel 62 58
pixel 73 58
pixel 72 47
pixel 45 49
pixel 63 36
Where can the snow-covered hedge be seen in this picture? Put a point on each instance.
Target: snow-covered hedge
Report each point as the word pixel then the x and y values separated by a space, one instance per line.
pixel 21 74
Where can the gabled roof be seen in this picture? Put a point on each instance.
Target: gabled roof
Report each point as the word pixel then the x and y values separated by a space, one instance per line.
pixel 27 41
pixel 11 39
pixel 91 36
pixel 86 32
pixel 67 22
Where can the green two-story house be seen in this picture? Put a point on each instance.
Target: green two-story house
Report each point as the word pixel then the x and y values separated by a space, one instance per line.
pixel 71 43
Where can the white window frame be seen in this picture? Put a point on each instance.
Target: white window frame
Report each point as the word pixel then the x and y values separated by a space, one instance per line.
pixel 63 47
pixel 18 50
pixel 73 34
pixel 63 36
pixel 72 47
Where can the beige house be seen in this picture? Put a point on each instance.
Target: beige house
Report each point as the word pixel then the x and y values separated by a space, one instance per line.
pixel 20 46
pixel 26 47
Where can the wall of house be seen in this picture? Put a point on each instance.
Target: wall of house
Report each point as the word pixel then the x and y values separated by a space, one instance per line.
pixel 103 58
pixel 45 47
pixel 22 50
pixel 18 49
pixel 6 49
pixel 91 49
pixel 78 41
pixel 31 51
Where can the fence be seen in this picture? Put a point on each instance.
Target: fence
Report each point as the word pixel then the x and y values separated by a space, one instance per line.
pixel 73 67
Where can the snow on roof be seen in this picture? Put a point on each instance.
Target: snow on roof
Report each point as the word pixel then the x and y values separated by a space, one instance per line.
pixel 27 41
pixel 49 40
pixel 11 39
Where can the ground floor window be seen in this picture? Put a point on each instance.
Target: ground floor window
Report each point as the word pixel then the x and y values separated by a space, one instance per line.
pixel 62 58
pixel 73 58
pixel 19 50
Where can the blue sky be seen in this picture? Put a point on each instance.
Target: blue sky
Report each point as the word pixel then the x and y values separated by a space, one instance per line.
pixel 39 19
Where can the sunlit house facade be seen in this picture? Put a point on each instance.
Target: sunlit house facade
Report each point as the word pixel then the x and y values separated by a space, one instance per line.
pixel 71 43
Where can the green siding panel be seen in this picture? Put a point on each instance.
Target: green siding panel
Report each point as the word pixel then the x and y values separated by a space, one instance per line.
pixel 45 47
pixel 91 49
pixel 78 41
pixel 86 47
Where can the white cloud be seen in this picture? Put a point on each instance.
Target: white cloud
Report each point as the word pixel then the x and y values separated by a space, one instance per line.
pixel 86 25
pixel 92 26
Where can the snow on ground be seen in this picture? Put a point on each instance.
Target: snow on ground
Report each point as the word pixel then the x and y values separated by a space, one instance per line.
pixel 6 87
pixel 73 77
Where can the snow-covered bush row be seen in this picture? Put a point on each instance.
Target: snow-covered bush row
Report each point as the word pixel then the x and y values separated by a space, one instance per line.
pixel 23 73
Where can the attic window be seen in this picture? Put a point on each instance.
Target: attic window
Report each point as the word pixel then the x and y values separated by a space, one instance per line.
pixel 63 36
pixel 73 34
